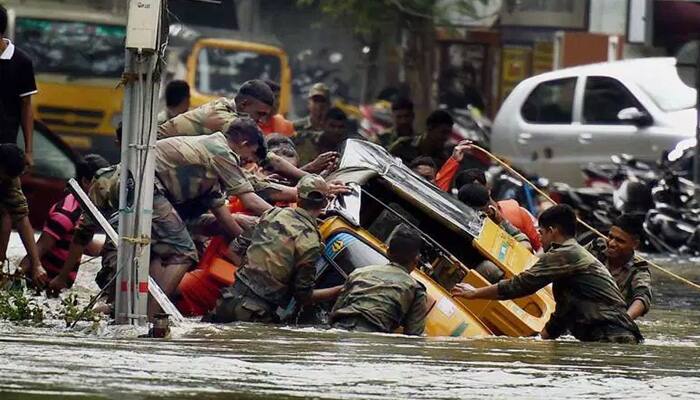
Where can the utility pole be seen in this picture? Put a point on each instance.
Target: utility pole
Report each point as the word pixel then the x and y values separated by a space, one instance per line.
pixel 145 39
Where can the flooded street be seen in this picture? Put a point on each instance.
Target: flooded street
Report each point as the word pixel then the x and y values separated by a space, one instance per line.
pixel 247 361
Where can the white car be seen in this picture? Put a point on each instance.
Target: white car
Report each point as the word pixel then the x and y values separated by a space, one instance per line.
pixel 557 122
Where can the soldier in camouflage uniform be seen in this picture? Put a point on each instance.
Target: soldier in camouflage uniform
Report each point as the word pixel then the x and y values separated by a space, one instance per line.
pixel 318 104
pixel 433 143
pixel 381 298
pixel 311 144
pixel 15 211
pixel 280 259
pixel 617 253
pixel 254 99
pixel 402 116
pixel 588 302
pixel 191 173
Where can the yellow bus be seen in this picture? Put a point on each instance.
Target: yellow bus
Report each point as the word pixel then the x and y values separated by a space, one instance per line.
pixel 78 55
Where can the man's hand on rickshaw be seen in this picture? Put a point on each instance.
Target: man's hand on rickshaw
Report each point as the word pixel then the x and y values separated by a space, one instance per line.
pixel 464 290
pixel 325 161
pixel 337 188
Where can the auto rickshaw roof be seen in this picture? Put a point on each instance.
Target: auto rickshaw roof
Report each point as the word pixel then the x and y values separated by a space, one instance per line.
pixel 362 161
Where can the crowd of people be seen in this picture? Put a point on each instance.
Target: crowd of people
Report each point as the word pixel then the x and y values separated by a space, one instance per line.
pixel 241 149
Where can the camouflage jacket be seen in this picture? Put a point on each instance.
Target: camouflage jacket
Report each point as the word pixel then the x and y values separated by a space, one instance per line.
pixel 633 279
pixel 193 168
pixel 104 194
pixel 195 121
pixel 164 116
pixel 12 199
pixel 385 295
pixel 280 259
pixel 586 295
pixel 303 125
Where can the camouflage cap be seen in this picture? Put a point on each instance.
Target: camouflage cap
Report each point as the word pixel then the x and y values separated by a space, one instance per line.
pixel 311 184
pixel 319 89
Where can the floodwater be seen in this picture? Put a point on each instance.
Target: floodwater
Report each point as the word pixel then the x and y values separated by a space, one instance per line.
pixel 248 361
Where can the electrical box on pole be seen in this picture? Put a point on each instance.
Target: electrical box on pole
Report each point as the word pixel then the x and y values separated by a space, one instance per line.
pixel 146 35
pixel 142 29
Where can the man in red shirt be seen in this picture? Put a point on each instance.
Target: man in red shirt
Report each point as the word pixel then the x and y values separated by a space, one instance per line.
pixel 509 210
pixel 275 122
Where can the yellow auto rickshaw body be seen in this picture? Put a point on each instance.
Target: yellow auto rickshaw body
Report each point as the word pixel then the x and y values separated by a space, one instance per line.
pixel 446 316
pixel 459 237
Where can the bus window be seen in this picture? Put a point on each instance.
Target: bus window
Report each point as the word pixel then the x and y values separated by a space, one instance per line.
pixel 76 49
pixel 221 72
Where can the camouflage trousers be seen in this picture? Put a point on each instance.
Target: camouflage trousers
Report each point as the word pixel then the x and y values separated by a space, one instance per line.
pixel 12 199
pixel 354 323
pixel 239 303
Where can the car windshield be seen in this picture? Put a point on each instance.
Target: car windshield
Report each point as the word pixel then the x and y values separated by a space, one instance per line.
pixel 666 89
pixel 76 49
pixel 221 72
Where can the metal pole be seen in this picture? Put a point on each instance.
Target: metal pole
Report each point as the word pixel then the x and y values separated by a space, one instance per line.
pixel 137 175
pixel 153 288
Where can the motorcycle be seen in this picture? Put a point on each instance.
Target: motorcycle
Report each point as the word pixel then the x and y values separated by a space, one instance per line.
pixel 593 206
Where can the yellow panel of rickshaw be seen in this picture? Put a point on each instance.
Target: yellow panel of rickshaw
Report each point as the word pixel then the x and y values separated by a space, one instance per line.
pixel 512 257
pixel 498 246
pixel 447 317
pixel 506 317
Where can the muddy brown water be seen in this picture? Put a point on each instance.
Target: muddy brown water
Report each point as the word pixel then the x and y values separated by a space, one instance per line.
pixel 248 361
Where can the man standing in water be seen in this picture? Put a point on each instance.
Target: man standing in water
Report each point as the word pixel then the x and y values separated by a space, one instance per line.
pixel 380 298
pixel 617 254
pixel 280 260
pixel 589 304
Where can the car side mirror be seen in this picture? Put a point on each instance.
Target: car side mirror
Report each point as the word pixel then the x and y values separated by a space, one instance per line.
pixel 634 116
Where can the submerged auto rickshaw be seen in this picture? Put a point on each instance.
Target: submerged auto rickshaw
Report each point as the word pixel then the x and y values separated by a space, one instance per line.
pixel 356 228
